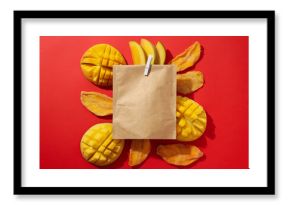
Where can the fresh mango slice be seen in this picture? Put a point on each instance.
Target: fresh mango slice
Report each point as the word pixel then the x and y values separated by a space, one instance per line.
pixel 190 119
pixel 149 49
pixel 189 82
pixel 188 57
pixel 97 103
pixel 137 53
pixel 98 147
pixel 179 154
pixel 161 53
pixel 97 63
pixel 139 151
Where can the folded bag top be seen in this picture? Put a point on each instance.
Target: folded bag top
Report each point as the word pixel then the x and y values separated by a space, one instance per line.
pixel 144 107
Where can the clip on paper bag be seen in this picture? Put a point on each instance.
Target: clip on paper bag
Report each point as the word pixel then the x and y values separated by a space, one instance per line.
pixel 144 107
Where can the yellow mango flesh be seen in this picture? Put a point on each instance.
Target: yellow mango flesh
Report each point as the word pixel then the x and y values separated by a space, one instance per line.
pixel 98 147
pixel 137 53
pixel 97 63
pixel 149 49
pixel 161 53
pixel 189 82
pixel 191 119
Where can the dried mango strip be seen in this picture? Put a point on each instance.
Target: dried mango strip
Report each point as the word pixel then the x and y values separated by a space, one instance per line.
pixel 189 82
pixel 97 103
pixel 188 57
pixel 179 154
pixel 139 151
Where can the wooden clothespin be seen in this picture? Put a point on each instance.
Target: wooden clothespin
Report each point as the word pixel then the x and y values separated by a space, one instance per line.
pixel 148 65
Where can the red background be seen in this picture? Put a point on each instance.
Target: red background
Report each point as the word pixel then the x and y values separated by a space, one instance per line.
pixel 63 119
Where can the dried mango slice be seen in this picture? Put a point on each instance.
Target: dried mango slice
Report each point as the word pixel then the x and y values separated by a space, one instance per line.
pixel 139 151
pixel 179 154
pixel 97 103
pixel 161 53
pixel 137 53
pixel 97 63
pixel 189 82
pixel 190 119
pixel 149 49
pixel 188 57
pixel 98 147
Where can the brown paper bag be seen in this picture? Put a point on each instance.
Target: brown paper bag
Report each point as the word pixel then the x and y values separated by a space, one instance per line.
pixel 144 107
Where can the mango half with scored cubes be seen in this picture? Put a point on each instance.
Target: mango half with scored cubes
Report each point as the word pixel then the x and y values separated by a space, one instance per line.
pixel 191 119
pixel 98 147
pixel 97 64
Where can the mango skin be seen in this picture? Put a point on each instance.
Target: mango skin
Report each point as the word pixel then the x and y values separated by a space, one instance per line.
pixel 191 119
pixel 98 147
pixel 97 64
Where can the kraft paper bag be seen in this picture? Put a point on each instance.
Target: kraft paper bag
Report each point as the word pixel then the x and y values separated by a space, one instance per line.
pixel 144 107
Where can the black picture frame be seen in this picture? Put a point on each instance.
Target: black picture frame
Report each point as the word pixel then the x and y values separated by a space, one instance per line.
pixel 268 190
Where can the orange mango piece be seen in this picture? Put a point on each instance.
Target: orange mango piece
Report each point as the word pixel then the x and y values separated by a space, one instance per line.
pixel 179 154
pixel 97 103
pixel 188 57
pixel 139 151
pixel 189 82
